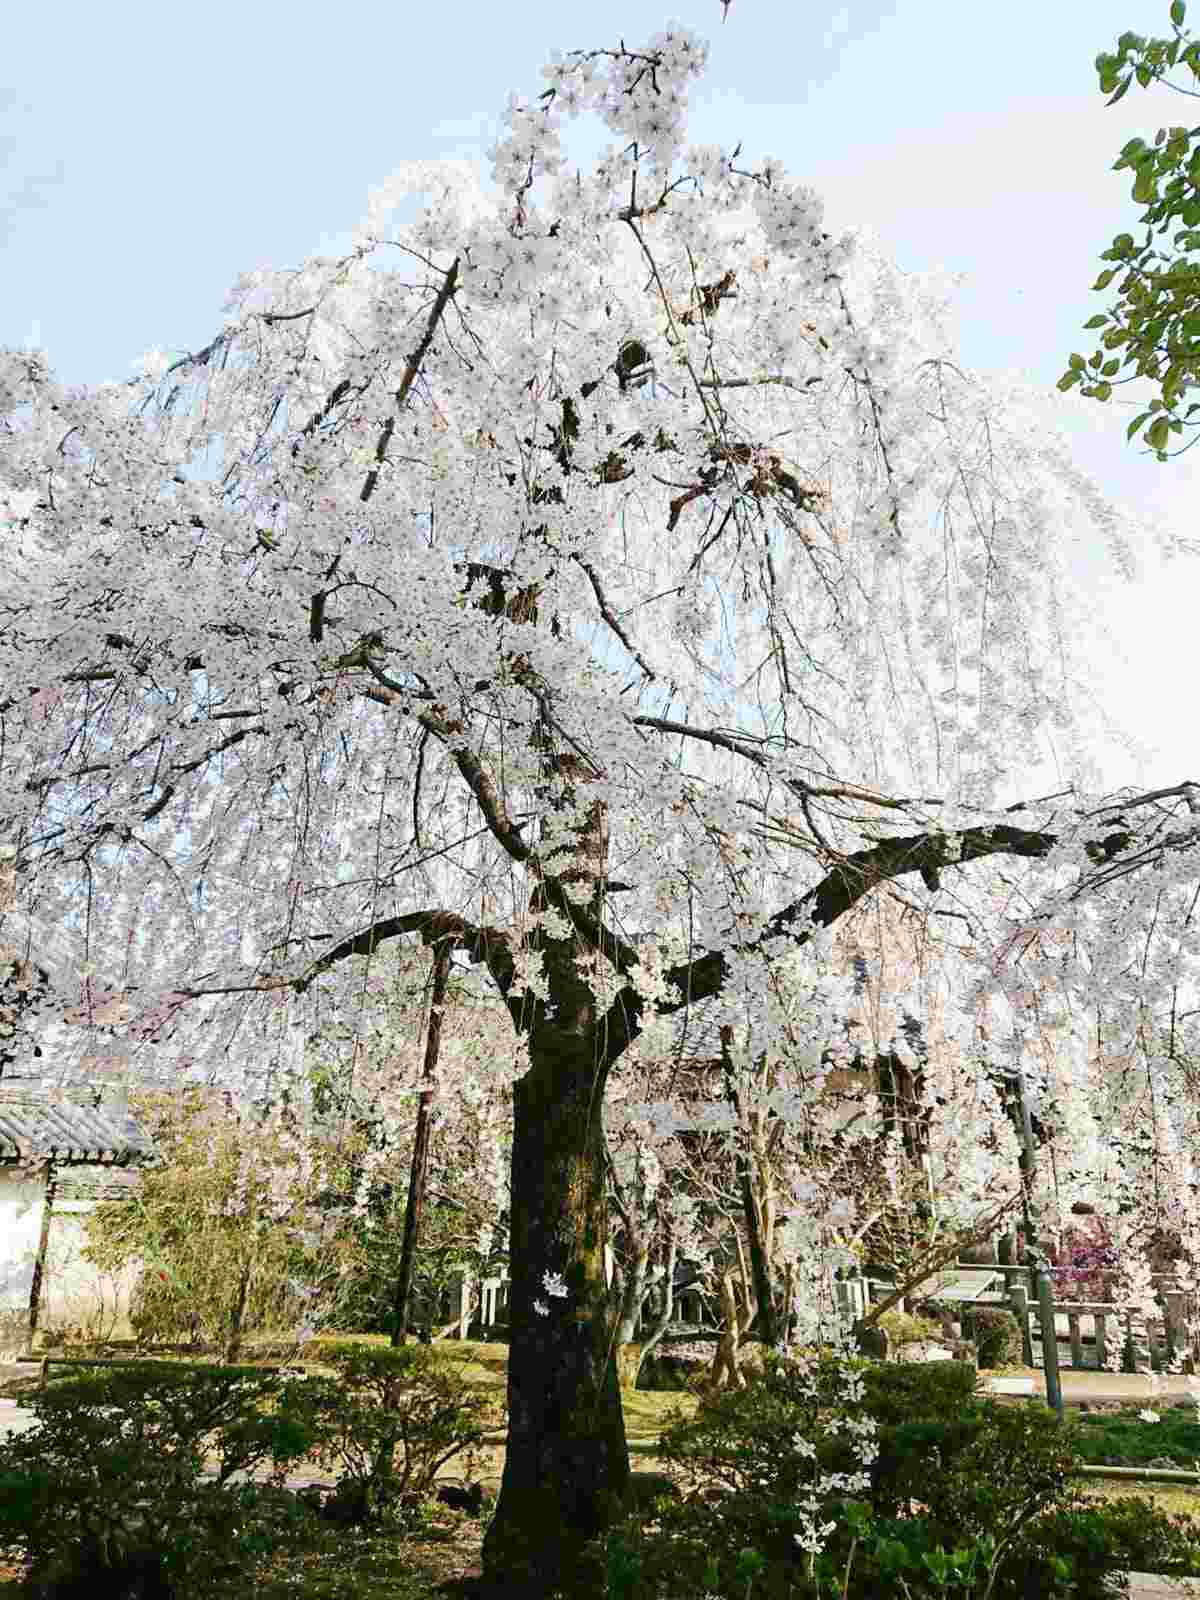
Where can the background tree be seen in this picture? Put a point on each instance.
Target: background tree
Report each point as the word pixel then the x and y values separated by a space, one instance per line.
pixel 220 1226
pixel 1155 323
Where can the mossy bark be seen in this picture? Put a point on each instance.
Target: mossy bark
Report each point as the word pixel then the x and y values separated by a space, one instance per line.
pixel 566 1472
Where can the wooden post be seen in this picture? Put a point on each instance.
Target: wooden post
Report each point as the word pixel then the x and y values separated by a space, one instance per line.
pixel 1101 1339
pixel 1019 1295
pixel 1054 1395
pixel 466 1285
pixel 39 1265
pixel 1076 1339
pixel 1137 1343
pixel 420 1155
pixel 1174 1319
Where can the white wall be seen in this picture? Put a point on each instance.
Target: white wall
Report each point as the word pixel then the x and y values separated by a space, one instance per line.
pixel 75 1293
pixel 21 1199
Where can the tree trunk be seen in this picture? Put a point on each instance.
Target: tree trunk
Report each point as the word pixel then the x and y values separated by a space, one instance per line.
pixel 725 1370
pixel 760 1248
pixel 233 1344
pixel 630 1366
pixel 667 1310
pixel 39 1264
pixel 566 1469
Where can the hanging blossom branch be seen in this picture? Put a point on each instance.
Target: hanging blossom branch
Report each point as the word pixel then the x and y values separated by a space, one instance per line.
pixel 857 873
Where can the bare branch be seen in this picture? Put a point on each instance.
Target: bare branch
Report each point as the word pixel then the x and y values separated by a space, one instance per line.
pixel 410 374
pixel 610 616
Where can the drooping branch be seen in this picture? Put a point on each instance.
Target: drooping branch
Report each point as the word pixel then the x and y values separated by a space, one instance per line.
pixel 745 745
pixel 478 780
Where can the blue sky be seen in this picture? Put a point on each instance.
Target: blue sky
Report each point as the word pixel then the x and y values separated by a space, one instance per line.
pixel 152 153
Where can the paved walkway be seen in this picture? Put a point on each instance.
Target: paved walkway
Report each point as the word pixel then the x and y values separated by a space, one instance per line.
pixel 1102 1387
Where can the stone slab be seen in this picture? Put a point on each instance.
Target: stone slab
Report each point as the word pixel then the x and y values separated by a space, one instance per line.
pixel 1011 1386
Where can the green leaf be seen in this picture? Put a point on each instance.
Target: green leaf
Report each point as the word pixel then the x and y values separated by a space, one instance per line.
pixel 1076 363
pixel 1102 391
pixel 1068 380
pixel 1105 278
pixel 1135 425
pixel 1145 189
pixel 1178 12
pixel 1143 76
pixel 1124 86
pixel 1097 321
pixel 1156 435
pixel 1110 367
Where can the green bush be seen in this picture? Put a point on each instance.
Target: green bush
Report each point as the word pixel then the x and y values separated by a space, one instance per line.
pixel 389 1420
pixel 901 1328
pixel 960 1484
pixel 108 1485
pixel 918 1391
pixel 997 1336
pixel 1097 1537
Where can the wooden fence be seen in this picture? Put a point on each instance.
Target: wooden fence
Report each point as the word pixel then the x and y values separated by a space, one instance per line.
pixel 482 1306
pixel 1143 1342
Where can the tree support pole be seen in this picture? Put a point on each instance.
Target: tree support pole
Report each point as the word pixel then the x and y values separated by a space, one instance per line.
pixel 39 1264
pixel 420 1155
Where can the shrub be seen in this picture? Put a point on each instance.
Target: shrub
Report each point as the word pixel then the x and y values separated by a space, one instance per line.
pixel 1015 1461
pixel 901 1328
pixel 997 1336
pixel 385 1401
pixel 987 1481
pixel 1098 1537
pixel 109 1486
pixel 928 1391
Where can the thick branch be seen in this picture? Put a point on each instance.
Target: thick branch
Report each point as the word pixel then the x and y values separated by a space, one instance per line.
pixel 486 945
pixel 856 875
pixel 504 829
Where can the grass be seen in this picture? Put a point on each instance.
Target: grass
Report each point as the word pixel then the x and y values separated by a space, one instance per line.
pixel 334 1563
pixel 1122 1439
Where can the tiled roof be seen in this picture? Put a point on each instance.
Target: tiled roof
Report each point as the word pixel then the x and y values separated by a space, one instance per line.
pixel 697 1029
pixel 72 1132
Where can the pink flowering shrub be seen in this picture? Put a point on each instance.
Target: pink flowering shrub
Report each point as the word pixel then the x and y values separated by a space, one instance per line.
pixel 1085 1257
